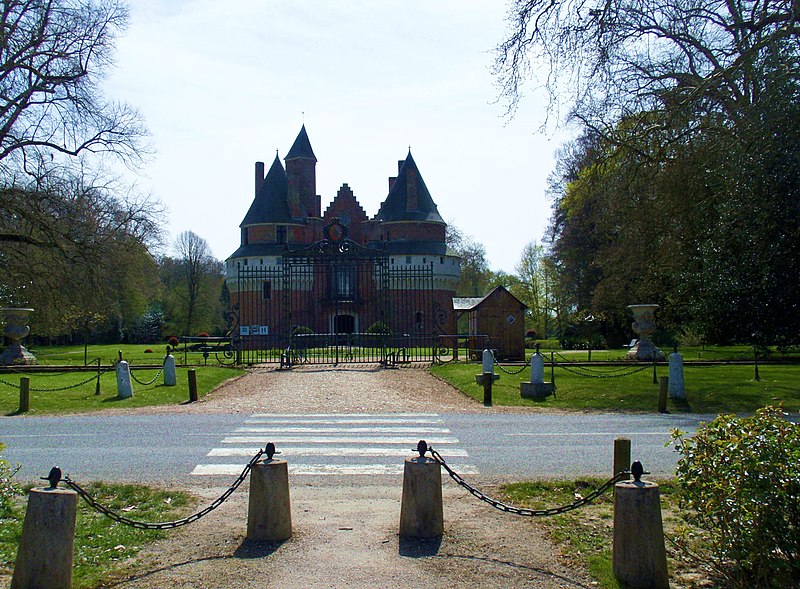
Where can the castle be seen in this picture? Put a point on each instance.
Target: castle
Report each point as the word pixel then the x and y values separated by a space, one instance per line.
pixel 301 272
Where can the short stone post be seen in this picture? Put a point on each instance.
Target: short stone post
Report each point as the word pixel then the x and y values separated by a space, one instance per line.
pixel 421 511
pixel 24 394
pixel 192 374
pixel 488 361
pixel 124 384
pixel 269 511
pixel 676 383
pixel 44 557
pixel 639 554
pixel 487 376
pixel 170 374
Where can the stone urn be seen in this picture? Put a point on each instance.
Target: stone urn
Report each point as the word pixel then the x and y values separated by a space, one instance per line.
pixel 644 324
pixel 16 329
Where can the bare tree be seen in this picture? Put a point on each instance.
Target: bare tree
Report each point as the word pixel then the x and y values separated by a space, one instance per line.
pixel 197 264
pixel 613 60
pixel 53 53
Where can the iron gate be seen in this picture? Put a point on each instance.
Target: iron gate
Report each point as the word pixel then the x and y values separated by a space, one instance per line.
pixel 327 305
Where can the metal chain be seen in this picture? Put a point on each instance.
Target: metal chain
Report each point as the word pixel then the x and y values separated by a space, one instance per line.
pixel 148 383
pixel 524 510
pixel 598 375
pixel 164 525
pixel 66 388
pixel 524 366
pixel 9 384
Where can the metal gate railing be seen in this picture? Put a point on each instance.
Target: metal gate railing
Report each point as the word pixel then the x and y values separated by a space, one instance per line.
pixel 329 306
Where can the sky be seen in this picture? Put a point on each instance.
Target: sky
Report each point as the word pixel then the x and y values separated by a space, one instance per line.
pixel 221 85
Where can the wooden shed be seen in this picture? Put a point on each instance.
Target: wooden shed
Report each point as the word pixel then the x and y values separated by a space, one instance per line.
pixel 499 315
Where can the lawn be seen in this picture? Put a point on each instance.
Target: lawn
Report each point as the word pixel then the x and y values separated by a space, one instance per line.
pixel 83 398
pixel 714 388
pixel 134 354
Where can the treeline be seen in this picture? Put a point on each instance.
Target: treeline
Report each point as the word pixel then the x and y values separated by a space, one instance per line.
pixel 683 187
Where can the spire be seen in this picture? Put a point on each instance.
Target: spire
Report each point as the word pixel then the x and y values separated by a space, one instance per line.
pixel 409 199
pixel 301 147
pixel 270 204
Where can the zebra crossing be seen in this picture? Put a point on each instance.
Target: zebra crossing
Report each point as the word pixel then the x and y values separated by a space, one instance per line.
pixel 336 444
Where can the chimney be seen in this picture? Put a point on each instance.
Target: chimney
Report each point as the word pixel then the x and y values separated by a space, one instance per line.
pixel 259 176
pixel 392 180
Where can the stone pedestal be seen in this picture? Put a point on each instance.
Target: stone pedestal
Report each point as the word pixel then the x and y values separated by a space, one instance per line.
pixel 421 512
pixel 676 383
pixel 269 512
pixel 16 329
pixel 124 385
pixel 170 374
pixel 536 388
pixel 44 557
pixel 639 554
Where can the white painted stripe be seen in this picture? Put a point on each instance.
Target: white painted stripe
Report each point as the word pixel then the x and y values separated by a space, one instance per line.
pixel 278 440
pixel 343 430
pixel 318 469
pixel 364 420
pixel 581 434
pixel 325 451
pixel 343 415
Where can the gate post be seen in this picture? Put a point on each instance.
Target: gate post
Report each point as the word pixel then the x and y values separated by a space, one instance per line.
pixel 44 557
pixel 421 512
pixel 170 374
pixel 124 385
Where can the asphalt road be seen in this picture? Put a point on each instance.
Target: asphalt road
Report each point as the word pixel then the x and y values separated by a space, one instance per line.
pixel 167 449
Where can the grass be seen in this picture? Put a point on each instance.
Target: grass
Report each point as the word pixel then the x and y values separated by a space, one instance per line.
pixel 103 548
pixel 709 389
pixel 83 398
pixel 585 535
pixel 134 354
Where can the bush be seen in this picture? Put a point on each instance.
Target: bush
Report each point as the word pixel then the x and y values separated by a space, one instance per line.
pixel 379 327
pixel 740 481
pixel 173 341
pixel 546 344
pixel 302 330
pixel 148 351
pixel 8 489
pixel 202 334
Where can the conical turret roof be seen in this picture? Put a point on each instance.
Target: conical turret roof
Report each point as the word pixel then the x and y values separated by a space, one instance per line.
pixel 409 199
pixel 270 204
pixel 301 148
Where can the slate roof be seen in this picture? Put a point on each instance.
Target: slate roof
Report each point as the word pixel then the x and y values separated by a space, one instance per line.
pixel 470 303
pixel 399 205
pixel 271 204
pixel 301 148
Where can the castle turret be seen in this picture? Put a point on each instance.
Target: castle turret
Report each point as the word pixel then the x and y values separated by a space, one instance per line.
pixel 301 164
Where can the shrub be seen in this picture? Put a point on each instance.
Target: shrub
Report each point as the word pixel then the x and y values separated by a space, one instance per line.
pixel 148 351
pixel 379 327
pixel 173 341
pixel 8 489
pixel 202 334
pixel 740 481
pixel 545 344
pixel 302 330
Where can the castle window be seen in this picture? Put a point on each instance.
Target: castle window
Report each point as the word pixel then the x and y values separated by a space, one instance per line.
pixel 418 320
pixel 441 260
pixel 261 262
pixel 280 234
pixel 245 261
pixel 408 259
pixel 424 260
pixel 266 291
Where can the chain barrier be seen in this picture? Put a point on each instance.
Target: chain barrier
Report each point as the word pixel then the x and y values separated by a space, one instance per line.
pixel 591 374
pixel 524 510
pixel 56 389
pixel 151 381
pixel 164 525
pixel 524 366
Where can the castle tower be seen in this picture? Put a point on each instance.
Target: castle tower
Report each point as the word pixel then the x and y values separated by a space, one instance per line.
pixel 301 164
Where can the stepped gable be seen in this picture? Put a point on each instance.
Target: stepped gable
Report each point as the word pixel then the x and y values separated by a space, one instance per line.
pixel 301 148
pixel 409 199
pixel 346 207
pixel 270 204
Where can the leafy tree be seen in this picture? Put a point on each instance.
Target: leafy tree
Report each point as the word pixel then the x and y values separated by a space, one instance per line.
pixel 475 276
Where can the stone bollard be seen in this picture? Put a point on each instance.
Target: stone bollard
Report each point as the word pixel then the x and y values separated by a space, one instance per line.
pixel 269 513
pixel 421 512
pixel 639 555
pixel 192 376
pixel 170 374
pixel 487 362
pixel 24 394
pixel 536 388
pixel 676 383
pixel 44 557
pixel 124 385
